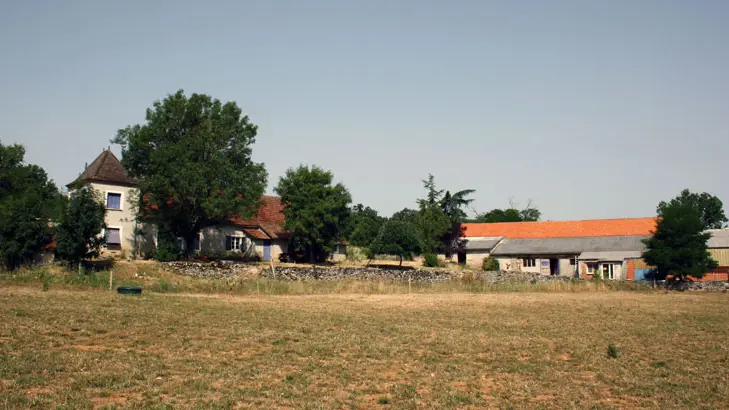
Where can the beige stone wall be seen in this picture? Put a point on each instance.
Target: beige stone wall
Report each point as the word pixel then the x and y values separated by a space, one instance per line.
pixel 124 219
pixel 212 240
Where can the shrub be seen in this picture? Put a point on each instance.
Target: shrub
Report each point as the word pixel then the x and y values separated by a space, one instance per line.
pixel 431 260
pixel 357 254
pixel 612 351
pixel 490 264
pixel 167 248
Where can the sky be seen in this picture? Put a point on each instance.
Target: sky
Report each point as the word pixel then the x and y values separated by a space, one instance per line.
pixel 590 109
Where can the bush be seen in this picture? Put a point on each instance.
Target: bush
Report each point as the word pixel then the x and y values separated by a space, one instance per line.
pixel 431 260
pixel 357 254
pixel 167 248
pixel 490 265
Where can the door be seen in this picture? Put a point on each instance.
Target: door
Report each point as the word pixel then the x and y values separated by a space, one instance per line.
pixel 608 271
pixel 266 250
pixel 461 258
pixel 554 266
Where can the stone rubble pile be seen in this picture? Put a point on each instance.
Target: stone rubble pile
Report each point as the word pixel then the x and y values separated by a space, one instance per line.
pixel 523 277
pixel 365 273
pixel 214 270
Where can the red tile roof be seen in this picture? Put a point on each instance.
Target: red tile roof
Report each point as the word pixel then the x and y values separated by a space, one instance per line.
pixel 563 229
pixel 270 218
pixel 105 168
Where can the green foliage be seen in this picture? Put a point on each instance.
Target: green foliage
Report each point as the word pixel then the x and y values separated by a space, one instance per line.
pixel 597 275
pixel 453 206
pixel 355 253
pixel 612 351
pixel 28 203
pixel 511 214
pixel 316 211
pixel 78 235
pixel 406 215
pixel 710 208
pixel 490 265
pixel 678 246
pixel 397 238
pixel 192 161
pixel 432 221
pixel 167 248
pixel 362 226
pixel 431 260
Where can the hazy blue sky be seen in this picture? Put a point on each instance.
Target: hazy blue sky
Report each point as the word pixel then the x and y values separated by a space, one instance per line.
pixel 591 109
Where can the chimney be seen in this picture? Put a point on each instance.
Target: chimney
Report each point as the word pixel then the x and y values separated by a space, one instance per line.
pixel 86 165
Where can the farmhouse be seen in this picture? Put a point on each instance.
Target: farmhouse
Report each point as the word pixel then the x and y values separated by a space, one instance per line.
pixel 262 234
pixel 569 248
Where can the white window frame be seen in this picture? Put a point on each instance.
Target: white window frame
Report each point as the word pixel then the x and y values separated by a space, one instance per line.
pixel 121 200
pixel 121 236
pixel 611 271
pixel 241 243
pixel 529 262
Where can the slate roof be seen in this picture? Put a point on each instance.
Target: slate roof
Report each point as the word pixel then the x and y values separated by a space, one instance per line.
pixel 568 246
pixel 482 244
pixel 563 229
pixel 719 238
pixel 106 168
pixel 610 256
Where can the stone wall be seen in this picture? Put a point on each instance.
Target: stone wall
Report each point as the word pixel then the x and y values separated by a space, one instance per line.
pixel 287 272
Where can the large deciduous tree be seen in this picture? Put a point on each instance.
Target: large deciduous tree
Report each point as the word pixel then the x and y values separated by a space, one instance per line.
pixel 710 208
pixel 192 162
pixel 398 238
pixel 362 226
pixel 678 246
pixel 316 211
pixel 78 235
pixel 511 214
pixel 28 203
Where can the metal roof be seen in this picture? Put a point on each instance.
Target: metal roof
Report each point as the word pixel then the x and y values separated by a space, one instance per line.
pixel 719 238
pixel 569 246
pixel 482 244
pixel 610 256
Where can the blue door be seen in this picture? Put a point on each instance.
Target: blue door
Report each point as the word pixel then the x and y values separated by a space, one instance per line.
pixel 266 250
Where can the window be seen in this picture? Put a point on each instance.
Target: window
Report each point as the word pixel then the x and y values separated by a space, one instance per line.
pixel 181 243
pixel 529 262
pixel 198 240
pixel 113 201
pixel 235 243
pixel 573 261
pixel 591 268
pixel 113 238
pixel 608 271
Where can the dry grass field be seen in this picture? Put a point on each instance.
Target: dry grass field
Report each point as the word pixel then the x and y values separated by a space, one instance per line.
pixel 96 349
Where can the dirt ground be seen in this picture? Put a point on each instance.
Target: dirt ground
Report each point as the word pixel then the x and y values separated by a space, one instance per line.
pixel 98 349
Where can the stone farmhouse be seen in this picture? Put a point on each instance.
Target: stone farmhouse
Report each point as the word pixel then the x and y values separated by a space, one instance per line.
pixel 262 234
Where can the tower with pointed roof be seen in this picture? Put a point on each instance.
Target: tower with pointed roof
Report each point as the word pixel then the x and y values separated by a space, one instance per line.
pixel 107 176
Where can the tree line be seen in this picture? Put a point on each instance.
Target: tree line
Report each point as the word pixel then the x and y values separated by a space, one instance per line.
pixel 192 161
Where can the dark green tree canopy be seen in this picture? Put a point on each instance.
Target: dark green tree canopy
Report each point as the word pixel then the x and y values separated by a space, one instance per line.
pixel 29 201
pixel 316 211
pixel 679 245
pixel 710 207
pixel 528 214
pixel 362 226
pixel 192 161
pixel 397 238
pixel 405 214
pixel 432 221
pixel 78 235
